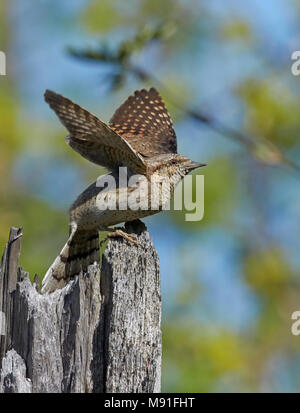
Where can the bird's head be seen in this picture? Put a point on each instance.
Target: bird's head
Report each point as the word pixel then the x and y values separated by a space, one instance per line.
pixel 172 164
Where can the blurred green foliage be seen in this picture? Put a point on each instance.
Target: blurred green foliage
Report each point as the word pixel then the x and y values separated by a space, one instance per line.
pixel 271 110
pixel 195 362
pixel 237 30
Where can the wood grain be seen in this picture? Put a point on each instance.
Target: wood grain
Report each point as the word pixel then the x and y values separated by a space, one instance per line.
pixel 100 333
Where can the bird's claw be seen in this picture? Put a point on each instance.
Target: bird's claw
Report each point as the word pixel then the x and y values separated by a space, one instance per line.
pixel 120 233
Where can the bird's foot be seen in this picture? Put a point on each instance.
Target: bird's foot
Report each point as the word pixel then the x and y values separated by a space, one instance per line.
pixel 116 233
pixel 120 233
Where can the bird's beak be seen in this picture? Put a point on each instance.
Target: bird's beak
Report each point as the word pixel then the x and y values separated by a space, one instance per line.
pixel 194 165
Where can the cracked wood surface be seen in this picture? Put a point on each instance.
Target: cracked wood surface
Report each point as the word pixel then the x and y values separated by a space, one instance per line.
pixel 100 333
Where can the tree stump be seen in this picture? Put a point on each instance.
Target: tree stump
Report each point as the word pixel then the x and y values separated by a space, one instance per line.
pixel 100 333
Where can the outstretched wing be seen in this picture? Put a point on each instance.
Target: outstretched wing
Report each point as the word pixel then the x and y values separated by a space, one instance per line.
pixel 92 138
pixel 143 120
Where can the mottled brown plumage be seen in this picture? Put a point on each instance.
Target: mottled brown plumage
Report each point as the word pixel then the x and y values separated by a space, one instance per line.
pixel 92 138
pixel 140 136
pixel 144 122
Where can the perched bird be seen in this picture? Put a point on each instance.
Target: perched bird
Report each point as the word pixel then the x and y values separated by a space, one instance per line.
pixel 139 136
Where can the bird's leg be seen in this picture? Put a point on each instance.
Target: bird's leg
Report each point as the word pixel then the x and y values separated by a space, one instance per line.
pixel 118 232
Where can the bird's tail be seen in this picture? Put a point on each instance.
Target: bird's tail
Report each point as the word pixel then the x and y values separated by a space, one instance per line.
pixel 80 251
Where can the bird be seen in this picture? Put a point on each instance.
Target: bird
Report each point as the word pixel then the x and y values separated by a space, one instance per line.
pixel 140 138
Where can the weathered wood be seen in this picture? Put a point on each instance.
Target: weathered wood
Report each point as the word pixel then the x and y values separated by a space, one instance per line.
pixel 100 333
pixel 8 282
